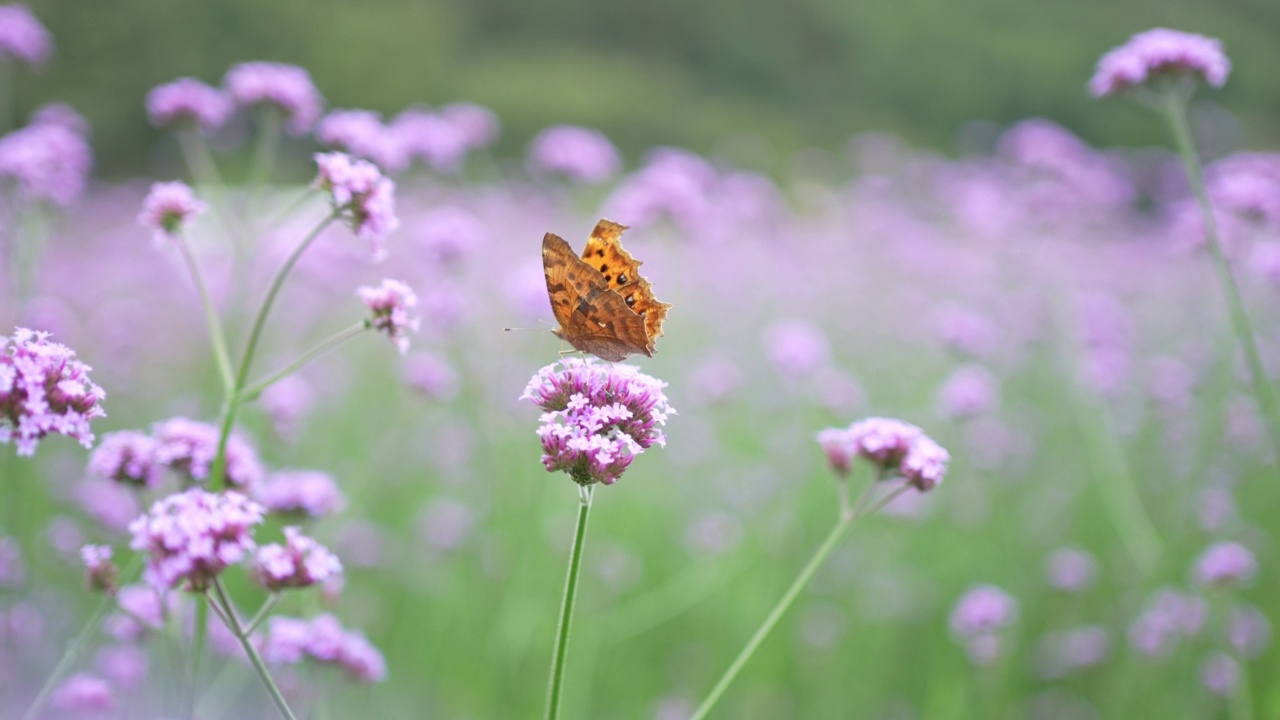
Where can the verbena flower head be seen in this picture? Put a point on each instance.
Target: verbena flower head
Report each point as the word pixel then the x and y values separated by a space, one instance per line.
pixel 142 610
pixel 1071 570
pixel 44 390
pixel 100 572
pixel 596 417
pixel 190 447
pixel 1226 564
pixel 1248 631
pixel 478 125
pixel 1220 673
pixel 292 640
pixel 1166 618
pixel 363 134
pixel 84 693
pixel 286 87
pixel 900 449
pixel 22 37
pixel 188 100
pixel 361 195
pixel 1065 652
pixel 48 161
pixel 1160 52
pixel 309 493
pixel 970 391
pixel 839 446
pixel 439 143
pixel 977 619
pixel 299 562
pixel 127 457
pixel 392 304
pixel 169 208
pixel 193 536
pixel 577 153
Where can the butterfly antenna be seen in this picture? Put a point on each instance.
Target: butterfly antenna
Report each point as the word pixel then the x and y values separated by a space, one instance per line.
pixel 509 329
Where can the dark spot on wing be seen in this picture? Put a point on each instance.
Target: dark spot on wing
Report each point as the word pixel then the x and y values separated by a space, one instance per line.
pixel 622 278
pixel 604 267
pixel 599 253
pixel 631 300
pixel 607 278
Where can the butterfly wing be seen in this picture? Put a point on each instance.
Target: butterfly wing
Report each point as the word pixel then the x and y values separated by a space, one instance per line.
pixel 593 318
pixel 621 273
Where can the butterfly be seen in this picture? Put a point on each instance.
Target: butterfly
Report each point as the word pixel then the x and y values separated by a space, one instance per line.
pixel 603 305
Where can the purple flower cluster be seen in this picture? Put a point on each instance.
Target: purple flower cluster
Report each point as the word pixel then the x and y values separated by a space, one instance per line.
pixel 360 193
pixel 363 134
pixel 977 619
pixel 48 160
pixel 299 562
pixel 193 536
pixel 391 304
pixel 1159 52
pixel 292 640
pixel 169 208
pixel 596 417
pixel 190 446
pixel 188 100
pixel 579 154
pixel 1167 617
pixel 1226 564
pixel 286 87
pixel 83 692
pixel 100 572
pixel 43 390
pixel 308 493
pixel 22 37
pixel 127 457
pixel 896 448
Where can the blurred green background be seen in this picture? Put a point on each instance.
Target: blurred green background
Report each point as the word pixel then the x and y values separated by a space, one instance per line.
pixel 720 75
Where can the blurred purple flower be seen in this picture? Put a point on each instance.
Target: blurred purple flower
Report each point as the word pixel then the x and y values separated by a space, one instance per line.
pixel 840 447
pixel 1220 674
pixel 190 446
pixel 62 115
pixel 1248 630
pixel 127 457
pixel 48 162
pixel 300 562
pixel 188 100
pixel 100 572
pixel 597 418
pixel 308 493
pixel 673 183
pixel 142 609
pixel 579 154
pixel 444 524
pixel 1159 52
pixel 124 665
pixel 432 376
pixel 391 303
pixel 982 609
pixel 291 640
pixel 84 693
pixel 449 234
pixel 1166 618
pixel 12 569
pixel 191 537
pixel 714 533
pixel 969 391
pixel 1216 507
pixel 1225 564
pixel 478 125
pixel 1063 653
pixel 796 347
pixel 1071 570
pixel 169 208
pixel 361 195
pixel 22 36
pixel 434 139
pixel 288 88
pixel 363 134
pixel 44 390
pixel 111 504
pixel 715 379
pixel 286 403
pixel 896 448
pixel 965 332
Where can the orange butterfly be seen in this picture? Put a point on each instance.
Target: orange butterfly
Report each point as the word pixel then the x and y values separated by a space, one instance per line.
pixel 603 305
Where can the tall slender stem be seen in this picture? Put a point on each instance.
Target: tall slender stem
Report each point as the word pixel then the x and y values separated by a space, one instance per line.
pixel 1175 110
pixel 237 628
pixel 197 656
pixel 333 341
pixel 216 337
pixel 566 607
pixel 774 616
pixel 232 403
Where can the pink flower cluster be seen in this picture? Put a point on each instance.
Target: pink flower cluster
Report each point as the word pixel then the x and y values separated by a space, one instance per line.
pixel 895 447
pixel 576 153
pixel 193 536
pixel 189 100
pixel 359 191
pixel 597 417
pixel 363 134
pixel 127 457
pixel 100 572
pixel 43 390
pixel 190 446
pixel 286 87
pixel 391 303
pixel 292 640
pixel 308 493
pixel 299 562
pixel 977 619
pixel 22 37
pixel 48 160
pixel 1159 52
pixel 169 208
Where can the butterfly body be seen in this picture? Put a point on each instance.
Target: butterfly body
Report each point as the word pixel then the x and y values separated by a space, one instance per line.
pixel 603 305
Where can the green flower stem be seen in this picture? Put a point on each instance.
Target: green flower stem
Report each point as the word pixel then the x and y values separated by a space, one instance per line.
pixel 1240 705
pixel 77 646
pixel 255 659
pixel 216 337
pixel 270 127
pixel 1175 111
pixel 201 633
pixel 195 151
pixel 845 520
pixel 6 96
pixel 232 404
pixel 566 606
pixel 261 615
pixel 254 390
